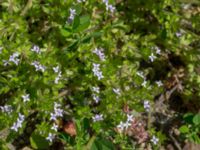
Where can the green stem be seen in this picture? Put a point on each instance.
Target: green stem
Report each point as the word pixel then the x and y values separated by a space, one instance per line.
pixel 89 144
pixel 27 7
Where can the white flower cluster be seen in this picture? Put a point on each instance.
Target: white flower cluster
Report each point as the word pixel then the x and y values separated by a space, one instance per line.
pixel 97 72
pixel 125 125
pixel 6 108
pixel 154 140
pixel 58 112
pixel 94 95
pixel 38 66
pixel 99 53
pixel 14 58
pixel 109 7
pixel 26 97
pixel 36 49
pixel 72 14
pixel 19 122
pixel 152 57
pixel 56 70
pixel 146 105
pixel 97 117
pixel 50 137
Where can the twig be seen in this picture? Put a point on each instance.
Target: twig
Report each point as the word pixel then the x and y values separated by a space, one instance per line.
pixel 175 141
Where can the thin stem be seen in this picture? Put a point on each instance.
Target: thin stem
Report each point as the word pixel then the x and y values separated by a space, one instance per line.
pixel 27 7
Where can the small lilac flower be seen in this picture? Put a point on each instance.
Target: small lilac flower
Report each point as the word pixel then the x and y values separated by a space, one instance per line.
pixel 152 57
pixel 26 97
pixel 158 51
pixel 95 89
pixel 97 72
pixel 96 67
pixel 99 53
pixel 154 140
pixel 58 112
pixel 6 108
pixel 21 117
pixel 129 118
pixel 53 116
pixel 99 75
pixel 15 127
pixel 58 78
pixel 144 83
pixel 116 91
pixel 56 105
pixel 13 58
pixel 50 137
pixel 56 69
pixel 19 122
pixel 72 14
pixel 96 98
pixel 42 68
pixel 38 66
pixel 36 49
pixel 105 1
pixel 97 117
pixel 121 126
pixel 178 34
pixel 127 124
pixel 111 8
pixel 55 127
pixel 159 83
pixel 146 105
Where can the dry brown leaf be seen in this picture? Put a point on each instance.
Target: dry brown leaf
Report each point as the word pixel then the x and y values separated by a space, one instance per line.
pixel 70 128
pixel 191 146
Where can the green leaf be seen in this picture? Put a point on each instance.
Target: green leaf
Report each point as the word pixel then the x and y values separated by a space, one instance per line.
pixel 78 9
pixel 65 32
pixel 84 23
pixel 38 142
pixel 87 39
pixel 67 138
pixel 188 118
pixel 3 80
pixel 184 129
pixel 196 119
pixel 76 23
pixel 102 144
